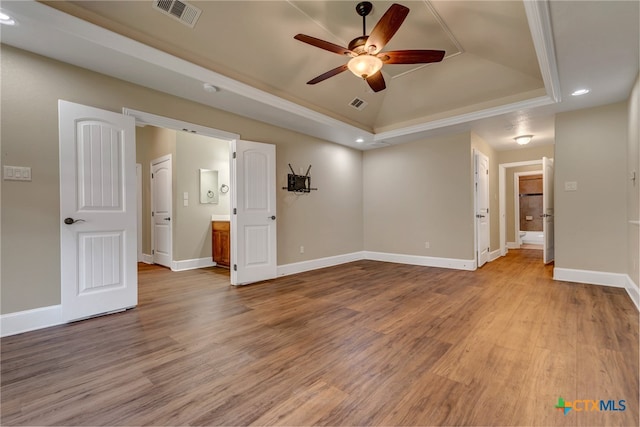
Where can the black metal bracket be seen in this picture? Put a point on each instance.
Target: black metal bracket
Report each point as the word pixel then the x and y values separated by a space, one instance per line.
pixel 299 183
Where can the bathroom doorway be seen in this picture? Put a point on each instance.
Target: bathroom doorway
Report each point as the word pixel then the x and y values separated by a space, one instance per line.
pixel 528 209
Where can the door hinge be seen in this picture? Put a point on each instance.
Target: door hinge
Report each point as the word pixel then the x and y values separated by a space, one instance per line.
pixel 151 176
pixel 235 267
pixel 153 214
pixel 153 251
pixel 235 211
pixel 234 154
pixel 487 171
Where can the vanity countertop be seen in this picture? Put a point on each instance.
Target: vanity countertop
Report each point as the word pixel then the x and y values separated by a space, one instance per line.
pixel 220 218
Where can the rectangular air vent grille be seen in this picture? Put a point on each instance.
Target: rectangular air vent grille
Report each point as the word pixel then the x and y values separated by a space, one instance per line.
pixel 358 104
pixel 180 10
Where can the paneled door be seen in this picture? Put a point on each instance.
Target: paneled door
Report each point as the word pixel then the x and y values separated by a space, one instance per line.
pixel 253 223
pixel 161 211
pixel 482 207
pixel 547 210
pixel 98 240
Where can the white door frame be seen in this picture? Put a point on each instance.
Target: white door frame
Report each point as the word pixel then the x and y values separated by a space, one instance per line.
pixel 143 118
pixel 502 192
pixel 516 200
pixel 139 207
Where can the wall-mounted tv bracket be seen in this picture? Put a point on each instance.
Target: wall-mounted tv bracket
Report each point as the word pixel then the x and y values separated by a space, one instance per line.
pixel 299 183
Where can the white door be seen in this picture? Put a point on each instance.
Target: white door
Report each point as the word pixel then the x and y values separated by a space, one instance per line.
pixel 482 207
pixel 547 210
pixel 98 247
pixel 161 210
pixel 253 223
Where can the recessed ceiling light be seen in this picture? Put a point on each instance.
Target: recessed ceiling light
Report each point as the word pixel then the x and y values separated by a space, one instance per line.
pixel 6 19
pixel 580 92
pixel 359 140
pixel 523 139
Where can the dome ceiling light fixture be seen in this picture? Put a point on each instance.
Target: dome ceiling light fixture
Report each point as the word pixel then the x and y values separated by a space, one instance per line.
pixel 365 51
pixel 523 139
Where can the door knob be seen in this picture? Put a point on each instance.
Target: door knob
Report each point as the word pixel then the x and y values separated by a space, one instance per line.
pixel 272 217
pixel 70 221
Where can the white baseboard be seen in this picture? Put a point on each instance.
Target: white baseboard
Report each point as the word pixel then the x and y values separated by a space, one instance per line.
pixel 494 255
pixel 633 291
pixel 454 263
pixel 314 264
pixel 602 278
pixel 30 320
pixel 192 264
pixel 513 245
pixel 147 259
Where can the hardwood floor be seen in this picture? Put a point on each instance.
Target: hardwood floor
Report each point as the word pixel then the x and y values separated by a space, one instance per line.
pixel 365 343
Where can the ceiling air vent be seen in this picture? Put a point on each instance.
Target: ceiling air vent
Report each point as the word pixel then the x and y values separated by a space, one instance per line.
pixel 358 104
pixel 179 10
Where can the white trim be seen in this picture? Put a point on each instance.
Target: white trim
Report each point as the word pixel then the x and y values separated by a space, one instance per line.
pixel 30 320
pixel 516 200
pixel 634 222
pixel 502 198
pixel 513 245
pixel 192 264
pixel 139 209
pixel 314 264
pixel 144 118
pixel 602 278
pixel 147 259
pixel 541 29
pixel 415 130
pixel 454 263
pixel 494 255
pixel 633 291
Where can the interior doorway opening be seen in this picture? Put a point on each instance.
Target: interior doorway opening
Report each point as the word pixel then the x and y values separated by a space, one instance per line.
pixel 201 152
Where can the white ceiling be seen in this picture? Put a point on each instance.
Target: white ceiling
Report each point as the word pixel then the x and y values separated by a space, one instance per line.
pixel 509 66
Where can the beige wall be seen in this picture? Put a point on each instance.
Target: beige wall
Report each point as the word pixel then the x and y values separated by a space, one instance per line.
pixel 192 227
pixel 633 188
pixel 328 221
pixel 418 192
pixel 152 143
pixel 591 223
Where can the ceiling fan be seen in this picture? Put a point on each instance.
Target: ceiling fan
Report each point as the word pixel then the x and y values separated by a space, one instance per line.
pixel 367 58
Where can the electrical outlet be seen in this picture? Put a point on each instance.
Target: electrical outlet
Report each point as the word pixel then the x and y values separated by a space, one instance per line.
pixel 427 245
pixel 301 249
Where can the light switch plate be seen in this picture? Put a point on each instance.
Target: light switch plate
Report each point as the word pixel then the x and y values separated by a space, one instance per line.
pixel 17 173
pixel 570 186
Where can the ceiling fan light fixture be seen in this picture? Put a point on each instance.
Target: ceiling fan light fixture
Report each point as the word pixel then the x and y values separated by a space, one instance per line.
pixel 523 139
pixel 364 65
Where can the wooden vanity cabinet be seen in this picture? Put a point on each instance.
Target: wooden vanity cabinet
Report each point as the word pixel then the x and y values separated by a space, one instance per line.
pixel 221 242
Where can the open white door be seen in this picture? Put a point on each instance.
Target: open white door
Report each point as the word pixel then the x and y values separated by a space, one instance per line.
pixel 161 211
pixel 482 208
pixel 547 210
pixel 253 223
pixel 97 211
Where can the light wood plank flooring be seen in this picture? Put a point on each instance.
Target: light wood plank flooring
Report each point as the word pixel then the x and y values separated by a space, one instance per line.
pixel 365 343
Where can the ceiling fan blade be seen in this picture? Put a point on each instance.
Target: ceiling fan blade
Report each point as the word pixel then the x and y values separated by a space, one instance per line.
pixel 376 82
pixel 328 74
pixel 322 44
pixel 386 28
pixel 411 56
